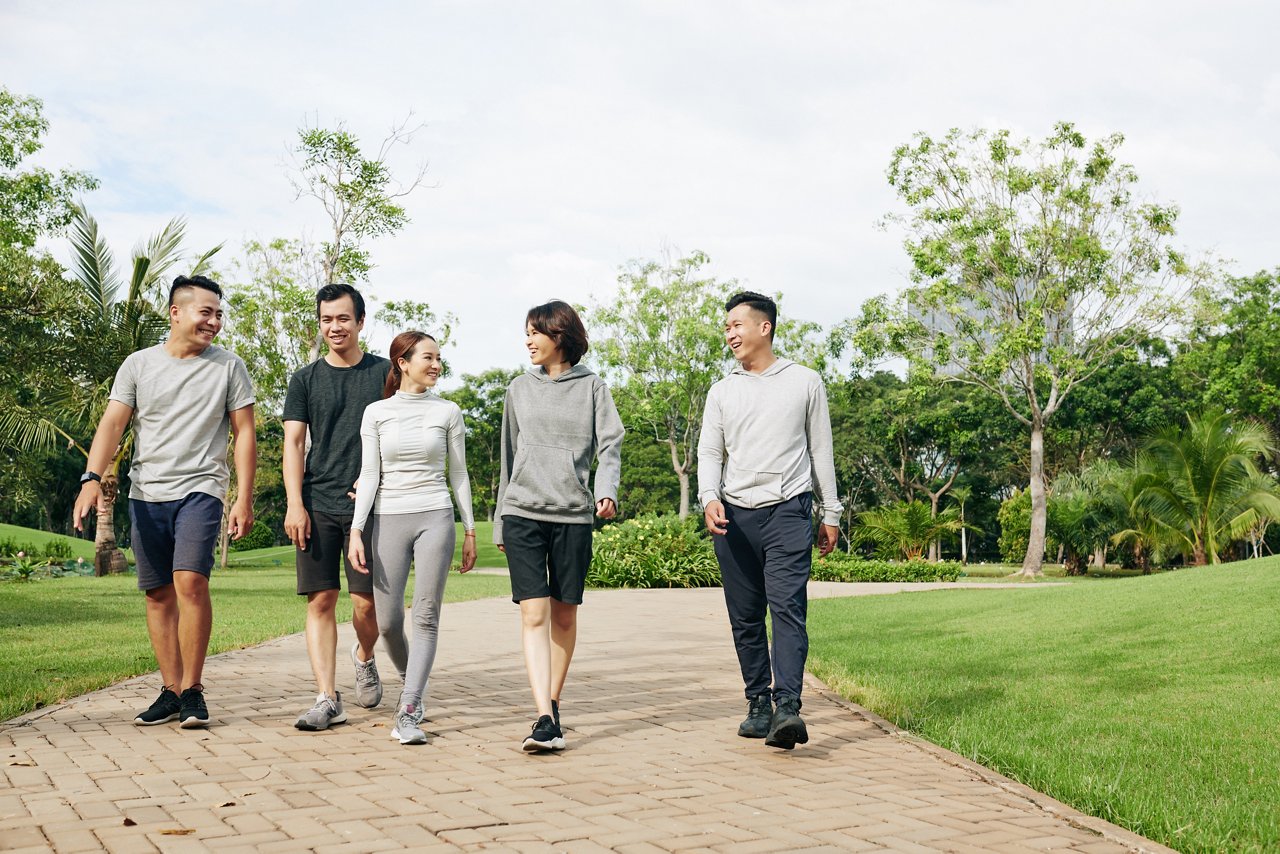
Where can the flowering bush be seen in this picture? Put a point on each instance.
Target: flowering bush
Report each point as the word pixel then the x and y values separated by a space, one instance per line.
pixel 654 551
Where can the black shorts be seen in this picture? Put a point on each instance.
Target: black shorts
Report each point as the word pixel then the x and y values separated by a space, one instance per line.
pixel 327 546
pixel 547 558
pixel 174 535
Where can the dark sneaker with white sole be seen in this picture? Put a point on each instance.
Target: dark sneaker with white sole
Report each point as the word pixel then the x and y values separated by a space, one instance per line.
pixel 163 710
pixel 786 729
pixel 326 712
pixel 545 736
pixel 193 713
pixel 759 716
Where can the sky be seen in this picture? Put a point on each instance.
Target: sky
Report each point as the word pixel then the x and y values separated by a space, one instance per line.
pixel 565 139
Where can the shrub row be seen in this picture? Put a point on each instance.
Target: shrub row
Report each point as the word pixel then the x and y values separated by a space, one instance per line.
pixel 841 566
pixel 57 549
pixel 662 551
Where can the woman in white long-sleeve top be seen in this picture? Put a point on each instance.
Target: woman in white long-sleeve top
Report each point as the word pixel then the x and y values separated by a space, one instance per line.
pixel 409 440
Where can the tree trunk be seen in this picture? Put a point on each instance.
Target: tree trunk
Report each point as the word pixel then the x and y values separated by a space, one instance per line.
pixel 1100 557
pixel 108 559
pixel 935 547
pixel 1032 564
pixel 964 541
pixel 682 472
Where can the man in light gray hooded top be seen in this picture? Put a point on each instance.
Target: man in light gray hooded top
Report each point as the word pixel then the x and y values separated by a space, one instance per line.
pixel 764 451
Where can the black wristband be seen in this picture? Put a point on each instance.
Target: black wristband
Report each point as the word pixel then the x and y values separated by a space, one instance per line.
pixel 90 476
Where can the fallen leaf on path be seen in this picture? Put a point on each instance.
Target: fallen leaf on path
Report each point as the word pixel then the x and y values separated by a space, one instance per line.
pixel 24 764
pixel 128 822
pixel 177 831
pixel 228 804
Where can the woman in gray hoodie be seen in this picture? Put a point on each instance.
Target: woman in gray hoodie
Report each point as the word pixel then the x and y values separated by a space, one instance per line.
pixel 557 418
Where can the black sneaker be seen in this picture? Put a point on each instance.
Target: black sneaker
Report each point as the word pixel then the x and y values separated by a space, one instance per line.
pixel 786 729
pixel 759 715
pixel 545 736
pixel 163 710
pixel 194 714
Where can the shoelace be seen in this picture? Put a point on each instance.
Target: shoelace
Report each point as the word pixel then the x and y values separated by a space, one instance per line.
pixel 367 674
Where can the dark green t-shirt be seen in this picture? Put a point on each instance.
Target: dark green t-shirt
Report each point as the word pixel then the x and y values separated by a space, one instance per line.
pixel 331 402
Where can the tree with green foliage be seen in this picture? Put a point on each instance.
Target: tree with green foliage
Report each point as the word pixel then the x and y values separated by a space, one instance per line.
pixel 1201 483
pixel 1033 265
pixel 359 193
pixel 1232 357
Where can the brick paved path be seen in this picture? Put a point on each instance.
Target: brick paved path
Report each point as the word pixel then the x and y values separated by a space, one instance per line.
pixel 653 763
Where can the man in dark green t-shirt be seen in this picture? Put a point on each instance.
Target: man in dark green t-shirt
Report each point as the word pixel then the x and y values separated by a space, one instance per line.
pixel 327 398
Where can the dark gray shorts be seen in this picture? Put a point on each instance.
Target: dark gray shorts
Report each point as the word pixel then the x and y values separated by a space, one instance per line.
pixel 547 558
pixel 174 535
pixel 326 549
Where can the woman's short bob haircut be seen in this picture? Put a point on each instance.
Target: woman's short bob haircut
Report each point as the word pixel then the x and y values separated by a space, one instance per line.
pixel 558 321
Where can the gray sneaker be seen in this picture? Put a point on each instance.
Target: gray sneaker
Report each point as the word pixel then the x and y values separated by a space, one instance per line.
pixel 405 726
pixel 326 712
pixel 368 683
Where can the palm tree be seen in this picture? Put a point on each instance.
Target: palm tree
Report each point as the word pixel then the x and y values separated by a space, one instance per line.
pixel 68 412
pixel 1201 485
pixel 905 530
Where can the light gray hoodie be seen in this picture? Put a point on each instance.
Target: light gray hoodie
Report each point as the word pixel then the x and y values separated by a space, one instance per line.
pixel 766 438
pixel 551 431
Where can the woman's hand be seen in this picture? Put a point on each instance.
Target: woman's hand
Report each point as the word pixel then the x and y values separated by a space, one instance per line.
pixel 355 552
pixel 606 509
pixel 468 551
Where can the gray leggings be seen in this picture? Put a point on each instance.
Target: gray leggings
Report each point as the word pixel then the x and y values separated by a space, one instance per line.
pixel 428 539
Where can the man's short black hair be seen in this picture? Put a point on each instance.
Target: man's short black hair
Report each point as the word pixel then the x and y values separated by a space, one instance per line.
pixel 202 282
pixel 761 303
pixel 329 293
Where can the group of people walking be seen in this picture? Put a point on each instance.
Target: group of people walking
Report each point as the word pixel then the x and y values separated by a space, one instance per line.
pixel 375 465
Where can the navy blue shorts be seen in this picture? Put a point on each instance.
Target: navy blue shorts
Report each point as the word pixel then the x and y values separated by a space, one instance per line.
pixel 169 535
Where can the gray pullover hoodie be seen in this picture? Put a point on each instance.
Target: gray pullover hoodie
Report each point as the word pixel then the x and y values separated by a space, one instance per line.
pixel 766 438
pixel 551 431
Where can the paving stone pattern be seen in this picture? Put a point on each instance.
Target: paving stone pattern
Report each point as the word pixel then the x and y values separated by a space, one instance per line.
pixel 653 765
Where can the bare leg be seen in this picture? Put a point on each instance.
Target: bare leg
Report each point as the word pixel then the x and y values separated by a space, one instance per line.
pixel 195 620
pixel 365 621
pixel 162 626
pixel 534 633
pixel 564 637
pixel 322 637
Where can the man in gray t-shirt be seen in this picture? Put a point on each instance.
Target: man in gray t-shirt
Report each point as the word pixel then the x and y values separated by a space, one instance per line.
pixel 182 397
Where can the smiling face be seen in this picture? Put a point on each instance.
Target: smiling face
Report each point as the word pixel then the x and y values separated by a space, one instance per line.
pixel 339 325
pixel 542 347
pixel 747 332
pixel 195 318
pixel 420 369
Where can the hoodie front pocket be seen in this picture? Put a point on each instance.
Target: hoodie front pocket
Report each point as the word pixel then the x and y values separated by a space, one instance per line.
pixel 753 488
pixel 545 476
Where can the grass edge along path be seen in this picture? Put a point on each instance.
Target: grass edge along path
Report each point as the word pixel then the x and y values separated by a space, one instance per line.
pixel 62 637
pixel 1152 703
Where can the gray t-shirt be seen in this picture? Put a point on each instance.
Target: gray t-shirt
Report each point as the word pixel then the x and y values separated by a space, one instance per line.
pixel 181 420
pixel 331 402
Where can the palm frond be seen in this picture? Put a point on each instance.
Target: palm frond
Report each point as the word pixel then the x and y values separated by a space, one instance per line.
pixel 92 266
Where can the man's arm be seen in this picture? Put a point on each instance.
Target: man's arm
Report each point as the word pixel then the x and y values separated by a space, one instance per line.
pixel 822 458
pixel 106 439
pixel 711 467
pixel 240 520
pixel 297 522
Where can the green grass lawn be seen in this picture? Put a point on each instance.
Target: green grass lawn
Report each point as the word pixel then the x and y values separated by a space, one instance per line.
pixel 487 554
pixel 1151 702
pixel 1001 572
pixel 60 637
